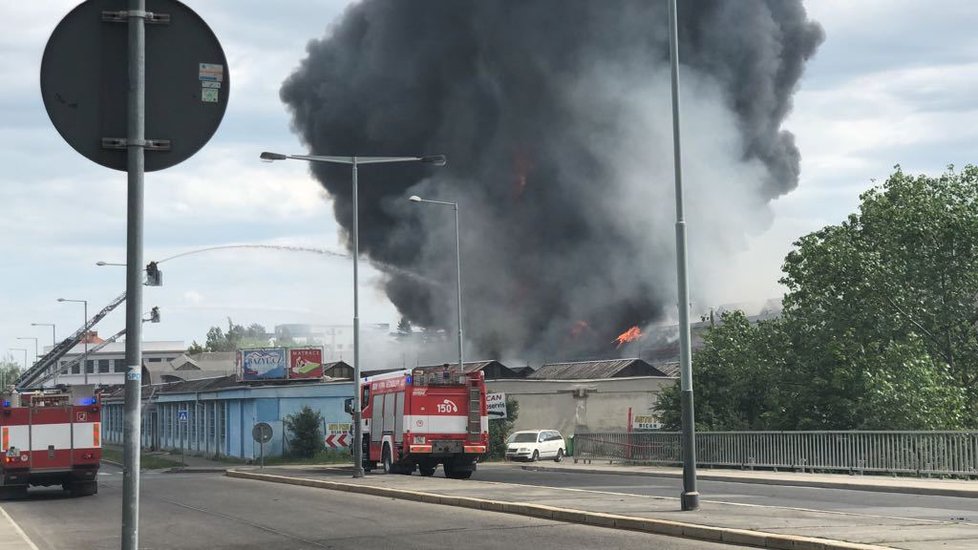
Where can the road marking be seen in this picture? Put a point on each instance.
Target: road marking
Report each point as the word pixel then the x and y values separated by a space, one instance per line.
pixel 19 531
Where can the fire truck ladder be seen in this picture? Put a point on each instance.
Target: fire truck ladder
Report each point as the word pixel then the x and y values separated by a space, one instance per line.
pixel 81 359
pixel 45 367
pixel 475 409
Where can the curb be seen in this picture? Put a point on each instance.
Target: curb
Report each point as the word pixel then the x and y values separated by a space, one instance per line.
pixel 194 470
pixel 597 519
pixel 933 491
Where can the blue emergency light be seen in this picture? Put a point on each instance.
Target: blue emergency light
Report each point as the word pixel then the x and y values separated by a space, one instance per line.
pixel 87 401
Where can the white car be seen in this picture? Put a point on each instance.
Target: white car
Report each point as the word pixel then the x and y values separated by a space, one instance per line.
pixel 532 445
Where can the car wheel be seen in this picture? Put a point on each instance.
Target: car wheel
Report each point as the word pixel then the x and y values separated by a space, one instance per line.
pixel 560 455
pixel 386 460
pixel 535 457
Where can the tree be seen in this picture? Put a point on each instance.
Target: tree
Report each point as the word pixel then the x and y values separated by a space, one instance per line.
pixel 733 377
pixel 306 427
pixel 891 291
pixel 500 428
pixel 878 329
pixel 404 328
pixel 236 337
pixel 9 371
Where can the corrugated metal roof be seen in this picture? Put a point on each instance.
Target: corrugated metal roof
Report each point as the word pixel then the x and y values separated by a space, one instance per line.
pixel 582 370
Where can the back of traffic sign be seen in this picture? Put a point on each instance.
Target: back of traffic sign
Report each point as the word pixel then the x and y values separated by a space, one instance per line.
pixel 262 432
pixel 85 82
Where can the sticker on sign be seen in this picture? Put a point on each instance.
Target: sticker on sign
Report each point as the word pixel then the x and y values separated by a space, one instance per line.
pixel 496 405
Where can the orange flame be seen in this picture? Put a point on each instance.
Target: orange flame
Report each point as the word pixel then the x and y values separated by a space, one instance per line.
pixel 629 335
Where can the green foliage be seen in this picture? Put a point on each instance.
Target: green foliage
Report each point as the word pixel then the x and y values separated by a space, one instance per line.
pixel 306 427
pixel 500 428
pixel 879 326
pixel 236 337
pixel 9 370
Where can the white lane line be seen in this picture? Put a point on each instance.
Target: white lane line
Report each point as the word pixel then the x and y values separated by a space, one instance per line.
pixel 19 531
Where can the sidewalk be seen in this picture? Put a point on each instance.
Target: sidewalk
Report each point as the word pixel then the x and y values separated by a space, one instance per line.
pixel 752 525
pixel 878 483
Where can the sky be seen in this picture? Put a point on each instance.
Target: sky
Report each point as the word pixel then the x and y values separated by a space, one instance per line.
pixel 893 83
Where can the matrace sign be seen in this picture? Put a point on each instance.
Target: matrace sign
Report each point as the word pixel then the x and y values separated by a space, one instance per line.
pixel 306 363
pixel 496 405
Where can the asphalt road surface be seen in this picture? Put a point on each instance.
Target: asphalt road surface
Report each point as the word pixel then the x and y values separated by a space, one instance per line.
pixel 833 500
pixel 210 511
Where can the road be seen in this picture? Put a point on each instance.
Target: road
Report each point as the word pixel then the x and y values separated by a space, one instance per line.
pixel 832 500
pixel 198 510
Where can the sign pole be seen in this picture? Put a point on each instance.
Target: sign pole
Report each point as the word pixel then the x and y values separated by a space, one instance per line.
pixel 134 263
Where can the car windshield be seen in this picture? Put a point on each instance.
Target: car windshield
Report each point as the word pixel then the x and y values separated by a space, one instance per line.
pixel 524 438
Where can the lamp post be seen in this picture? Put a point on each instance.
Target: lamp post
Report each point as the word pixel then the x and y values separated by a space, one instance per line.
pixel 458 268
pixel 54 342
pixel 35 344
pixel 84 336
pixel 102 264
pixel 354 162
pixel 690 497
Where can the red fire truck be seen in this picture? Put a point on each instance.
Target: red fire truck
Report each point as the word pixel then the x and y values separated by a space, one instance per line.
pixel 425 417
pixel 50 437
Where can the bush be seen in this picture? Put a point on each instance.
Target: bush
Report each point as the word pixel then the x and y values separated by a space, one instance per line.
pixel 499 430
pixel 307 434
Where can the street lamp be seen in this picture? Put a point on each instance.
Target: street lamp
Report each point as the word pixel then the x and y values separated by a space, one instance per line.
pixel 690 498
pixel 54 342
pixel 84 337
pixel 100 264
pixel 35 344
pixel 458 269
pixel 354 162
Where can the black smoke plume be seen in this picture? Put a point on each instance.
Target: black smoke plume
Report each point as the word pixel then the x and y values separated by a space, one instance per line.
pixel 555 117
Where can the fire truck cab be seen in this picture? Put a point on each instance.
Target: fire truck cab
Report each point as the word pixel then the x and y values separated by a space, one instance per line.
pixel 50 437
pixel 418 419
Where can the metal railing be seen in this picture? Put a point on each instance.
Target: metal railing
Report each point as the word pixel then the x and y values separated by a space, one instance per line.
pixel 953 453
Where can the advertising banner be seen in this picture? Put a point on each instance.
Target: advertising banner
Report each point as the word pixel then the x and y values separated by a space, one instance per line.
pixel 263 364
pixel 305 363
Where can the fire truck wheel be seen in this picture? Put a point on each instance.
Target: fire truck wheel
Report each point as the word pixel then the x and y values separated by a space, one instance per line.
pixel 386 460
pixel 427 469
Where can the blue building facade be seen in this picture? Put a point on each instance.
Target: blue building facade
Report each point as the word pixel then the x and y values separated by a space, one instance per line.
pixel 216 416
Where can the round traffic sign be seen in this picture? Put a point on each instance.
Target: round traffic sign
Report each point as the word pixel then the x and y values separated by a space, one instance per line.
pixel 262 432
pixel 85 82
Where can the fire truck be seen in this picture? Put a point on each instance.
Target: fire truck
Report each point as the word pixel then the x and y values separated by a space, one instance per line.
pixel 50 437
pixel 420 418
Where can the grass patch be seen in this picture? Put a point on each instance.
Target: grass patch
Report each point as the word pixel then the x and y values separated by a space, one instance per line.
pixel 146 461
pixel 322 457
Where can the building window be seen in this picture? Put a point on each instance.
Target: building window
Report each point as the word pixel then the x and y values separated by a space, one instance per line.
pixel 90 366
pixel 76 369
pixel 103 365
pixel 154 360
pixel 120 365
